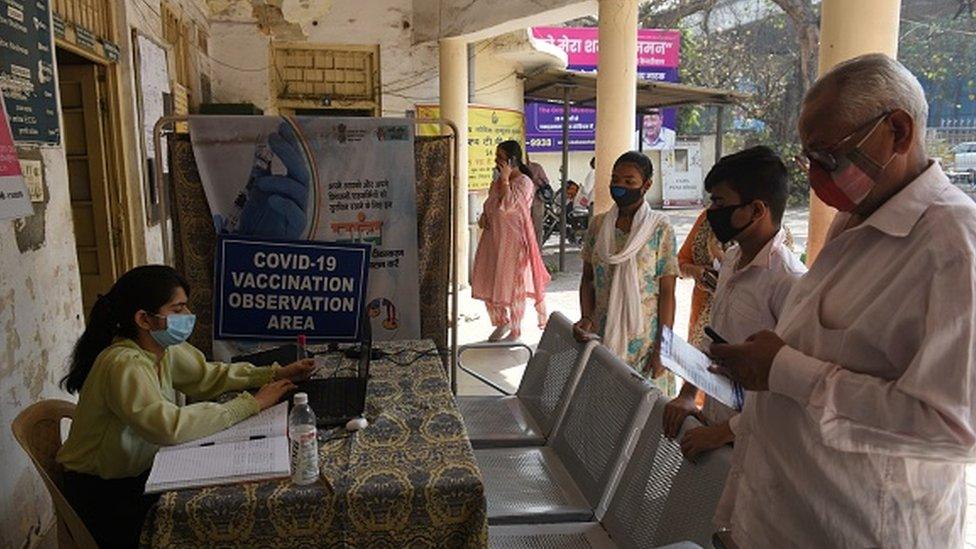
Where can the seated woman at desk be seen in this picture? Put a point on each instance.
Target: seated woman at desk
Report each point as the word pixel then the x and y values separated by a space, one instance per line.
pixel 127 366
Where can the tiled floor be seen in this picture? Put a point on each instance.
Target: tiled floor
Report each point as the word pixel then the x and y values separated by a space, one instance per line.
pixel 506 369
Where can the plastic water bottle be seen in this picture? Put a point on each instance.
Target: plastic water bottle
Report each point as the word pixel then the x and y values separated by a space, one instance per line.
pixel 304 442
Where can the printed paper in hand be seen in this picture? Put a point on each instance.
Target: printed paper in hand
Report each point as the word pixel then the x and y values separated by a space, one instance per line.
pixel 691 365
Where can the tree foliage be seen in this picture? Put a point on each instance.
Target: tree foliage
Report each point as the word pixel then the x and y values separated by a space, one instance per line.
pixel 774 60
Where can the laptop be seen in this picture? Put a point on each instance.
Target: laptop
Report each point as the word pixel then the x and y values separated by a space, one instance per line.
pixel 335 399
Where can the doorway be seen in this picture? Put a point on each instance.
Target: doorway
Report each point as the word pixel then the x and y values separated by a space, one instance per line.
pixel 96 214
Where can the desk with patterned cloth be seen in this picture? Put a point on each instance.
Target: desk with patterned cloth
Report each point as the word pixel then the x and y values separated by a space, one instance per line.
pixel 408 480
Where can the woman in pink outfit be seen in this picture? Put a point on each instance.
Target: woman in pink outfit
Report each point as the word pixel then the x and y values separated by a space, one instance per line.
pixel 508 267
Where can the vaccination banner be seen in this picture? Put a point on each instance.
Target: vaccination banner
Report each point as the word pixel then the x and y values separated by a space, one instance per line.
pixel 487 127
pixel 267 290
pixel 658 59
pixel 321 179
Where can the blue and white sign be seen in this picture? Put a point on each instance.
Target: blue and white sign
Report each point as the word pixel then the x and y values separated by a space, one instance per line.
pixel 272 290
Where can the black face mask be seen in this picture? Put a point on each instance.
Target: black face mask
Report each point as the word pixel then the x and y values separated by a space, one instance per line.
pixel 625 196
pixel 720 220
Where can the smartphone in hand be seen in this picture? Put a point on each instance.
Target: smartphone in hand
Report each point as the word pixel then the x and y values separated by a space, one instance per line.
pixel 713 335
pixel 709 279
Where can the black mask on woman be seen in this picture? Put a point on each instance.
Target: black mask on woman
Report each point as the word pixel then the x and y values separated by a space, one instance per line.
pixel 720 220
pixel 625 196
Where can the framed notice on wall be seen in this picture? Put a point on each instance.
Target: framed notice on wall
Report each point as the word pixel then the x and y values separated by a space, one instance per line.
pixel 681 175
pixel 27 71
pixel 152 90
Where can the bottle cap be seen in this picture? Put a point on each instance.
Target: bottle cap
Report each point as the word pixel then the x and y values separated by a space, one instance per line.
pixel 301 398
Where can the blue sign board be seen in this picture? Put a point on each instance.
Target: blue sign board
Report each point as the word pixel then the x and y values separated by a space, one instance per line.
pixel 544 121
pixel 27 71
pixel 272 290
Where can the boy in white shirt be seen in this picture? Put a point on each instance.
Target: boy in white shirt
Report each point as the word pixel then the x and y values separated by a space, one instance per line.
pixel 748 192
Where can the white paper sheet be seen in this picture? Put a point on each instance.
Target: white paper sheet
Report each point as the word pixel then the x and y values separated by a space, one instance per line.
pixel 176 468
pixel 691 365
pixel 272 422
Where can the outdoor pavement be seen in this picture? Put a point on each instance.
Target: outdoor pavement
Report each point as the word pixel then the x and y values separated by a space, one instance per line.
pixel 506 368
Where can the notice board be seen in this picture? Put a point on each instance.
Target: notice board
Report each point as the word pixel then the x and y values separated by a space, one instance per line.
pixel 27 71
pixel 487 127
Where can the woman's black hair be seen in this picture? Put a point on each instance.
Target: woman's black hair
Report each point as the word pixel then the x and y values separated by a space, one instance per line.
pixel 639 161
pixel 145 288
pixel 514 152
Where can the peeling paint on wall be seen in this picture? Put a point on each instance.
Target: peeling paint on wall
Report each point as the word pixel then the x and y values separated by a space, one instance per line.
pixel 40 318
pixel 29 231
pixel 287 20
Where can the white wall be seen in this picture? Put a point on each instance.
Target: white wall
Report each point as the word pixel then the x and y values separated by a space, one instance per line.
pixel 40 313
pixel 496 81
pixel 246 49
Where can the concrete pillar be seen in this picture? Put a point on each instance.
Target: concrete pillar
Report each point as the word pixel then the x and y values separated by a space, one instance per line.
pixel 616 95
pixel 847 30
pixel 454 107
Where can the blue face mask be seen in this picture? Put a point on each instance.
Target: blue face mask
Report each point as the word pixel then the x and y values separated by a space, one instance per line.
pixel 178 328
pixel 625 196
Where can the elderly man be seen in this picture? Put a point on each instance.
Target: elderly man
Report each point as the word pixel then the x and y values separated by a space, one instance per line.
pixel 862 420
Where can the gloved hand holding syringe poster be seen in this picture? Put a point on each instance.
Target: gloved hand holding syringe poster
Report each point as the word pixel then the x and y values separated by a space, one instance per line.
pixel 321 179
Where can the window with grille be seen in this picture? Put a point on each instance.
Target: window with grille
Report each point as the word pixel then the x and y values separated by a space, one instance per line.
pixel 94 16
pixel 315 76
pixel 176 32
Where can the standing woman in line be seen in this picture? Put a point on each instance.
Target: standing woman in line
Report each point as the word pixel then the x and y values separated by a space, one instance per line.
pixel 508 267
pixel 699 259
pixel 629 273
pixel 127 367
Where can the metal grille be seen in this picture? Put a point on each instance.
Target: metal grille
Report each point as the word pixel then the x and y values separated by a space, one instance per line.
pixel 546 379
pixel 493 418
pixel 303 73
pixel 541 541
pixel 522 482
pixel 596 428
pixel 695 493
pixel 663 498
pixel 93 15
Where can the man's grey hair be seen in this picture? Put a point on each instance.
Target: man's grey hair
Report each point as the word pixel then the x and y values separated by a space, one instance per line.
pixel 870 85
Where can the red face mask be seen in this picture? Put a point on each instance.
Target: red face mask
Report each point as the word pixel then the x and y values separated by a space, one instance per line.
pixel 851 181
pixel 843 188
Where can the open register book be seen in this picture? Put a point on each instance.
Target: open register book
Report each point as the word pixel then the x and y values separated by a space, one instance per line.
pixel 254 449
pixel 691 365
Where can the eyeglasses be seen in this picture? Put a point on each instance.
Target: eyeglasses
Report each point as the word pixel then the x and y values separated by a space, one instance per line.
pixel 828 158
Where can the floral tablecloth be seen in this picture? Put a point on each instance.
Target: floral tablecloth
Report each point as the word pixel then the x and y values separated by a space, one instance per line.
pixel 410 479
